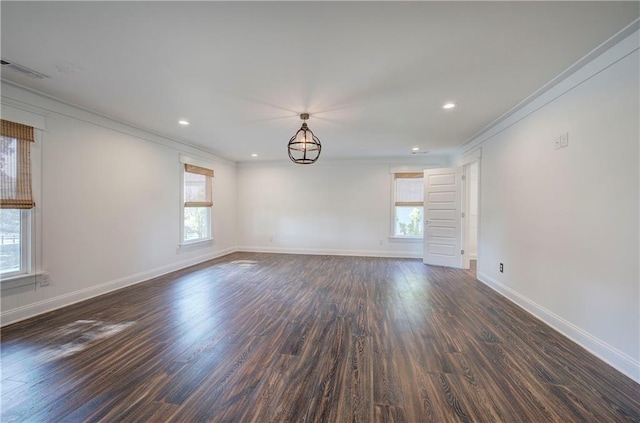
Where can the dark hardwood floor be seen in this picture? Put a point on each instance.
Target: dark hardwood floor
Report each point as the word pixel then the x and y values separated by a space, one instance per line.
pixel 267 337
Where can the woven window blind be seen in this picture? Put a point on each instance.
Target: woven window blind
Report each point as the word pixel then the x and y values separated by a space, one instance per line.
pixel 15 165
pixel 409 189
pixel 197 186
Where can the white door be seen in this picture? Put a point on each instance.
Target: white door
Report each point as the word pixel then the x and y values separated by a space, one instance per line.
pixel 442 213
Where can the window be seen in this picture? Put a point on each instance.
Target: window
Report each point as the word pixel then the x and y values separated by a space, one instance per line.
pixel 408 192
pixel 197 203
pixel 16 199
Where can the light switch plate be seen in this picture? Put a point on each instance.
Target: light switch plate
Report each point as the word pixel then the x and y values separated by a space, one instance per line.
pixel 564 140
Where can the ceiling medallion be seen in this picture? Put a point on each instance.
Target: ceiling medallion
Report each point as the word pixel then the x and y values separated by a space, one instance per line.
pixel 304 147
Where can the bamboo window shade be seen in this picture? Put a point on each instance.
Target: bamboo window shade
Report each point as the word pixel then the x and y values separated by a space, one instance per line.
pixel 197 186
pixel 409 189
pixel 15 165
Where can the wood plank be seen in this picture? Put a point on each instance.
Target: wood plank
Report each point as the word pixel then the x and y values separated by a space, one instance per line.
pixel 273 337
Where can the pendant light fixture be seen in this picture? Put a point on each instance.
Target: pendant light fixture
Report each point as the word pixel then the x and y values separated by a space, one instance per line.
pixel 304 147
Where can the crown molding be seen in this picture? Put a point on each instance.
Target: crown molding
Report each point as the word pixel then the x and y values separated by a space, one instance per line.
pixel 609 52
pixel 19 96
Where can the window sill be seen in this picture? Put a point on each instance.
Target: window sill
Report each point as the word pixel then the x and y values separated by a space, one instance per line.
pixel 405 239
pixel 41 278
pixel 195 245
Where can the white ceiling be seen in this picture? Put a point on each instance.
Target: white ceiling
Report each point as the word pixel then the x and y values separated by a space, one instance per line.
pixel 373 75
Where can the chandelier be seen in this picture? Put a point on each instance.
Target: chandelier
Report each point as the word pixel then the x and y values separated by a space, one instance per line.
pixel 304 147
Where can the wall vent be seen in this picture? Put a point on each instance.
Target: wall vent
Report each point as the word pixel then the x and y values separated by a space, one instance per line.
pixel 22 69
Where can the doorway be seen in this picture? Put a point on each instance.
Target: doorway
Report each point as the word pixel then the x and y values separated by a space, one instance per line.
pixel 451 215
pixel 471 207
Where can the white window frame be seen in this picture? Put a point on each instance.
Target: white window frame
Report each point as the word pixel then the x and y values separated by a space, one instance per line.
pixel 392 226
pixel 30 220
pixel 185 245
pixel 26 245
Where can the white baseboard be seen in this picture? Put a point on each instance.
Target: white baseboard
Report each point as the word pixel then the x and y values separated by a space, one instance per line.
pixel 50 304
pixel 614 357
pixel 330 252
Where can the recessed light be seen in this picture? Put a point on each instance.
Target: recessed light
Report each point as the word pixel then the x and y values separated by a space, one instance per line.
pixel 449 105
pixel 184 122
pixel 415 149
pixel 254 155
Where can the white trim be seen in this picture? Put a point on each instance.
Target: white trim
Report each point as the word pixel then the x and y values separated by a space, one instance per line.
pixel 464 216
pixel 34 309
pixel 410 239
pixel 24 117
pixel 196 162
pixel 35 256
pixel 470 157
pixel 476 156
pixel 194 245
pixel 16 281
pixel 331 252
pixel 611 355
pixel 411 168
pixel 181 205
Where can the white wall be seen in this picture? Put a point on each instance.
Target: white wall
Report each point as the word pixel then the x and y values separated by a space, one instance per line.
pixel 110 207
pixel 565 222
pixel 326 208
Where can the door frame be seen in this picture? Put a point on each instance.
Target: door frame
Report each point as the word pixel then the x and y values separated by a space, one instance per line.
pixel 474 156
pixel 466 207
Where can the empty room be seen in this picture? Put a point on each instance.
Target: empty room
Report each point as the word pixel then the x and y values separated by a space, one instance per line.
pixel 320 211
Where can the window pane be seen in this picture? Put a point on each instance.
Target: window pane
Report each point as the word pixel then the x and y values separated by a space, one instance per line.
pixel 10 240
pixel 409 190
pixel 195 186
pixel 409 221
pixel 196 223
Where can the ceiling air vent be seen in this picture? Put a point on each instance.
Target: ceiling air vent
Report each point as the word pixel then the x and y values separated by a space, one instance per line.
pixel 22 69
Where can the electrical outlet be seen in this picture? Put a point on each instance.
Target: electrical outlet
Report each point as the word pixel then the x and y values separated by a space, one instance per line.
pixel 556 142
pixel 44 279
pixel 501 268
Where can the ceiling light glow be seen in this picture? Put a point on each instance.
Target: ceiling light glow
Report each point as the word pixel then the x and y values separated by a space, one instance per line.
pixel 254 155
pixel 449 105
pixel 415 149
pixel 184 122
